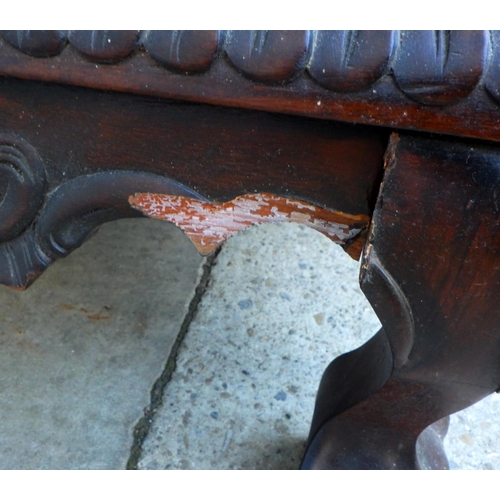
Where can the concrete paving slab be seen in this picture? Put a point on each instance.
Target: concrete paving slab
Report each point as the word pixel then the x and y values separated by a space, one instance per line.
pixel 269 323
pixel 283 301
pixel 473 441
pixel 81 349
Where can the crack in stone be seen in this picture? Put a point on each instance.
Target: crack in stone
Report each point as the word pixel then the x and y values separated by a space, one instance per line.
pixel 143 426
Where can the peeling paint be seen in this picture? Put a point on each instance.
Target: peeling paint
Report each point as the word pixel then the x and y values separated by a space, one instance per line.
pixel 208 225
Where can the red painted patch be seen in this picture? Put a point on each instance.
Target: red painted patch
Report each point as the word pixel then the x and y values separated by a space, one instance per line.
pixel 208 225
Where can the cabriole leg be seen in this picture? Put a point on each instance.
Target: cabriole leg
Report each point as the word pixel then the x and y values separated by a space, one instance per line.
pixel 431 269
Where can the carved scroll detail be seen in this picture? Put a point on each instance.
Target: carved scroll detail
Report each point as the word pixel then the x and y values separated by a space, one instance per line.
pixel 22 185
pixel 69 215
pixel 208 225
pixel 37 43
pixel 76 208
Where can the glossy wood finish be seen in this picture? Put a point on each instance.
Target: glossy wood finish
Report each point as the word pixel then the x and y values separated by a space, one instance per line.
pixel 105 46
pixel 431 269
pixel 72 157
pixel 204 117
pixel 273 57
pixel 448 67
pixel 37 43
pixel 350 61
pixel 183 51
pixel 434 81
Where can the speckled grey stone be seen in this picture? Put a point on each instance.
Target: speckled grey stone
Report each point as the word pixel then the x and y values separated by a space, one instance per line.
pixel 473 441
pixel 282 303
pixel 80 349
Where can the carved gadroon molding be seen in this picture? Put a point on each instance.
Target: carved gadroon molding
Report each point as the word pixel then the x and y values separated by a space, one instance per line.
pixel 430 67
pixel 437 81
pixel 22 185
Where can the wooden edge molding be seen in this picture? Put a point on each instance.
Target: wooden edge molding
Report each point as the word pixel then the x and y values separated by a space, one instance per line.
pixel 444 81
pixel 381 289
pixel 67 216
pixel 390 304
pixel 208 225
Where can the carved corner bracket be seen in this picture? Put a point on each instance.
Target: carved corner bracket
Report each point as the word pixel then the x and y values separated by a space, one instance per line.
pixel 37 227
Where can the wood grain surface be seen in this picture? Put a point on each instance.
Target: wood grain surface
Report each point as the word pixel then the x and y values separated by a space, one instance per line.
pixel 435 81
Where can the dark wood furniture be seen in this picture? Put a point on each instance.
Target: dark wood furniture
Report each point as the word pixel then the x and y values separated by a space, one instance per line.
pixel 386 140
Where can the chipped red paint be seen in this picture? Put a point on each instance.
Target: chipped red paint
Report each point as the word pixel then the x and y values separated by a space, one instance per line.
pixel 208 225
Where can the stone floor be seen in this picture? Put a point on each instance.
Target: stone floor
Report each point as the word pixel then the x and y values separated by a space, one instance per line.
pixel 136 352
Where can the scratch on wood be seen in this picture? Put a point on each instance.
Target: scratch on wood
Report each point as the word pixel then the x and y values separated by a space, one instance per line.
pixel 208 225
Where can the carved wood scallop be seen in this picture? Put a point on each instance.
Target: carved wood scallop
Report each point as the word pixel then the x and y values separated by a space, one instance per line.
pixel 492 80
pixel 421 80
pixel 440 67
pixel 269 56
pixel 348 60
pixel 431 67
pixel 187 51
pixel 37 43
pixel 102 45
